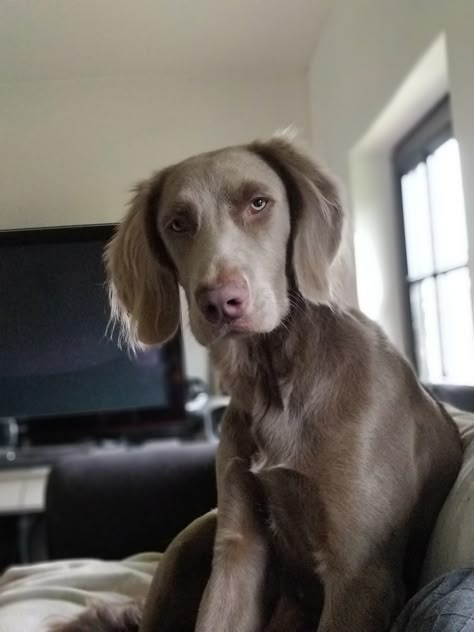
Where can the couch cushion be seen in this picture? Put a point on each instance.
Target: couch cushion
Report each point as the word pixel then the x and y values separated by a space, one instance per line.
pixel 452 542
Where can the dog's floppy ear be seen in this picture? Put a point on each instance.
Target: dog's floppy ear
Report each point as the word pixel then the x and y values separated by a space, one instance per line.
pixel 316 214
pixel 143 289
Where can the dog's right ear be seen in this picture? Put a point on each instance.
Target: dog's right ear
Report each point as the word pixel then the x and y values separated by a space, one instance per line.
pixel 314 200
pixel 143 290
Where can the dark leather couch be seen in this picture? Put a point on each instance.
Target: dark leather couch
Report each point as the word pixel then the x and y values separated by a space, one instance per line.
pixel 114 504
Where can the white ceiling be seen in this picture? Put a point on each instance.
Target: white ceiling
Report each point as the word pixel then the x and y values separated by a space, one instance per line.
pixel 63 39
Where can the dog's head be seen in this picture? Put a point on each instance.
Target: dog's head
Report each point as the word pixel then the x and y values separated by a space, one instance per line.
pixel 242 230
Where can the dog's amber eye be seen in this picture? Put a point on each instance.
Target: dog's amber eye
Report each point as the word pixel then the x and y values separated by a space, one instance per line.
pixel 178 225
pixel 258 204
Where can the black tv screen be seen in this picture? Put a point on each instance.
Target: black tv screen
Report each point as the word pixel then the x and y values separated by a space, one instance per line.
pixel 57 357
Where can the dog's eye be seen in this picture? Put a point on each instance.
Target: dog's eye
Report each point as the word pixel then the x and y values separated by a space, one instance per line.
pixel 178 225
pixel 258 204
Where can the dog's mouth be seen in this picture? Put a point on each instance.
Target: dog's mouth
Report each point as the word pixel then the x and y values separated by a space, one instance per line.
pixel 240 327
pixel 244 327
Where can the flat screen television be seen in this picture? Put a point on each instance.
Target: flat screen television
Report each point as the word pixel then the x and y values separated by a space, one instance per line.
pixel 62 372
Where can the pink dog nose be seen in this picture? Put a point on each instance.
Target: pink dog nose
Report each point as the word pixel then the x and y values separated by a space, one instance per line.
pixel 224 303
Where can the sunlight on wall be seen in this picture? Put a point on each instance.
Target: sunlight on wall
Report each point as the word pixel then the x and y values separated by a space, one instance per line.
pixel 374 198
pixel 369 279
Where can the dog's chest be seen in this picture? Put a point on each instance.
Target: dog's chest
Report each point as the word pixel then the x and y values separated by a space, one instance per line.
pixel 293 515
pixel 289 489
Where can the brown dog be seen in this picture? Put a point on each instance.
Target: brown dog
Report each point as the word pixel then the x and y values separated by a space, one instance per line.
pixel 333 461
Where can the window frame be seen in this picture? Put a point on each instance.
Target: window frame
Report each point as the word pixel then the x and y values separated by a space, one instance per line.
pixel 421 141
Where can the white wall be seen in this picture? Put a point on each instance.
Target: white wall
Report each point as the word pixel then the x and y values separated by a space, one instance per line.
pixel 366 53
pixel 72 149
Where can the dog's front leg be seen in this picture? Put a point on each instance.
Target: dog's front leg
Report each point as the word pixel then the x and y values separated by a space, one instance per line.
pixel 368 601
pixel 233 599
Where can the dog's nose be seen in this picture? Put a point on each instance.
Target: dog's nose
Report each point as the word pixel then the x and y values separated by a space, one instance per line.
pixel 223 303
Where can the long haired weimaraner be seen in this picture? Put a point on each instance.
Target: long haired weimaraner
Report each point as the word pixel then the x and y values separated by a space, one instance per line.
pixel 333 460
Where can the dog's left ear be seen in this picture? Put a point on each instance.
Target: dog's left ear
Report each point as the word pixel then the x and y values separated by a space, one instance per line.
pixel 316 214
pixel 143 289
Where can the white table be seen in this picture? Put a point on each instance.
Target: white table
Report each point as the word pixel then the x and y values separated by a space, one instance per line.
pixel 22 493
pixel 22 490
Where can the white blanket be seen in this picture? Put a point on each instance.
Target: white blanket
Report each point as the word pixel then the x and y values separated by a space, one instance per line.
pixel 33 597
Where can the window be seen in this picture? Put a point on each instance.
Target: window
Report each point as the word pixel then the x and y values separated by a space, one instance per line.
pixel 436 248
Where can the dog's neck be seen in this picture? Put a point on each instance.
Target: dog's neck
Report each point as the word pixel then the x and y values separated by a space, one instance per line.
pixel 252 369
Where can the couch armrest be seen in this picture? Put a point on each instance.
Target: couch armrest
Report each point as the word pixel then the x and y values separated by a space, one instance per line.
pixel 114 504
pixel 459 396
